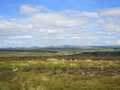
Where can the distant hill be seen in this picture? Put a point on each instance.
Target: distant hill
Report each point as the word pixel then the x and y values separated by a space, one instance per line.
pixel 64 47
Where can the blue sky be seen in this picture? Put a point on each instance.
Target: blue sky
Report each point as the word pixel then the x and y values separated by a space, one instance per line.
pixel 41 23
pixel 11 7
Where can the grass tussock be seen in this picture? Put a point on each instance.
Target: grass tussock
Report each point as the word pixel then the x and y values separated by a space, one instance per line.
pixel 56 74
pixel 45 81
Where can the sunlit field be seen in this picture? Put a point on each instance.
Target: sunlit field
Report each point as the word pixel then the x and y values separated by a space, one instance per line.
pixel 60 70
pixel 54 74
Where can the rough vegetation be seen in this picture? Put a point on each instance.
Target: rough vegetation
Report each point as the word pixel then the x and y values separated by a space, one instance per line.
pixel 83 71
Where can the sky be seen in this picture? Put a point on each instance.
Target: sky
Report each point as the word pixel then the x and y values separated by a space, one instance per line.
pixel 43 23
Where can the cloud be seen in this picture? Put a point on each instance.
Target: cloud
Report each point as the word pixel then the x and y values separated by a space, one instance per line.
pixel 116 42
pixel 39 26
pixel 112 27
pixel 111 12
pixel 21 37
pixel 27 9
pixel 90 14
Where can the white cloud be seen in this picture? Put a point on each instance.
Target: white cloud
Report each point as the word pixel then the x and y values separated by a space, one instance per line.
pixel 43 26
pixel 30 9
pixel 109 24
pixel 49 19
pixel 111 12
pixel 109 19
pixel 90 14
pixel 21 37
pixel 116 42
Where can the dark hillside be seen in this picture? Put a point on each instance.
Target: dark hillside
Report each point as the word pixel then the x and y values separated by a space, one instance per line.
pixel 114 55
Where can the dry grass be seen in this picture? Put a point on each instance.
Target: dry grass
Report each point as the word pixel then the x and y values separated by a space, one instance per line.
pixel 60 75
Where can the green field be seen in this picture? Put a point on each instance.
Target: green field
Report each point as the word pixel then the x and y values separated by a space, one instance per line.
pixel 57 74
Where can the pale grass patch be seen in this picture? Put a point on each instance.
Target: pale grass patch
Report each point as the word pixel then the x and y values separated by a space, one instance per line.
pixel 73 64
pixel 53 60
pixel 15 69
pixel 44 78
pixel 34 88
pixel 89 60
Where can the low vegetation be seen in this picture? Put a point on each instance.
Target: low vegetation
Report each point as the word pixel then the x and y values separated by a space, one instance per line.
pixel 27 72
pixel 60 75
